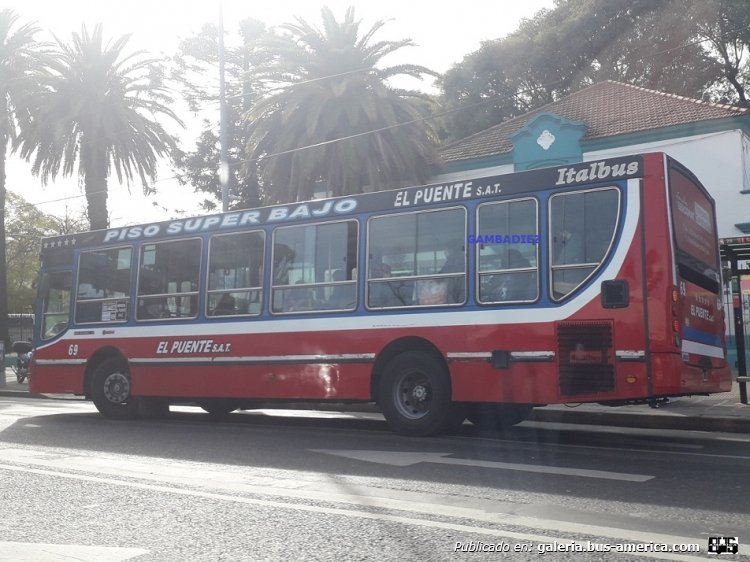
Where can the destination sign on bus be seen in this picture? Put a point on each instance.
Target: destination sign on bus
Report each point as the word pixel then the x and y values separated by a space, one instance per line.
pixel 232 220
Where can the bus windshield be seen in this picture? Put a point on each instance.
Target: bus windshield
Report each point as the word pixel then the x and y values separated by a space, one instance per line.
pixel 695 232
pixel 55 295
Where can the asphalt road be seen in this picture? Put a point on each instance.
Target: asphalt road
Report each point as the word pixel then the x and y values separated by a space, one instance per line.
pixel 326 486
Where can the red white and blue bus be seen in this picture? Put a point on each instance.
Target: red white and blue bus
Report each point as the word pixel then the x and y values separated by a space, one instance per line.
pixel 479 299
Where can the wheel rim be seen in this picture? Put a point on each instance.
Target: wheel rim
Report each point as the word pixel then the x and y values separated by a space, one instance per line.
pixel 117 388
pixel 412 395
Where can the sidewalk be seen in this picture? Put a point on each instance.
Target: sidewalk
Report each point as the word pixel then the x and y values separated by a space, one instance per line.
pixel 717 412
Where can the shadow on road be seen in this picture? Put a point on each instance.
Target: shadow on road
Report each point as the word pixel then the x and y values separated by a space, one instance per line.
pixel 286 440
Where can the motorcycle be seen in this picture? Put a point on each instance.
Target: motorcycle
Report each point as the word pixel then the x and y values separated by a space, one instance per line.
pixel 23 351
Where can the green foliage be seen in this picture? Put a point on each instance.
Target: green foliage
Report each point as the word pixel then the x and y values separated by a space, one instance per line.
pixel 18 57
pixel 659 51
pixel 25 226
pixel 696 48
pixel 196 69
pixel 96 111
pixel 18 60
pixel 724 25
pixel 330 115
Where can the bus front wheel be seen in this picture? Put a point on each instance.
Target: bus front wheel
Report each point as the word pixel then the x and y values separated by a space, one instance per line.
pixel 110 390
pixel 414 394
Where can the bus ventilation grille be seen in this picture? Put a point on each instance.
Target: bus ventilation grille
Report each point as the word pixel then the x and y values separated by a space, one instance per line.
pixel 586 362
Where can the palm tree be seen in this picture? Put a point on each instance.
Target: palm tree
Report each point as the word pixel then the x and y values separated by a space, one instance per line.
pixel 98 110
pixel 333 117
pixel 17 60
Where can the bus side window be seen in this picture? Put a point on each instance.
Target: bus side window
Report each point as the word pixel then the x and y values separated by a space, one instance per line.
pixel 103 291
pixel 314 267
pixel 582 227
pixel 168 279
pixel 55 292
pixel 507 251
pixel 235 266
pixel 417 259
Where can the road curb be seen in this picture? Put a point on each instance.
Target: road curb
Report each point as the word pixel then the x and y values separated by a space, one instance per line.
pixel 644 421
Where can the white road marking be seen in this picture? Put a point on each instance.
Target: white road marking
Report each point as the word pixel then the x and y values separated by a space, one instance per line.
pixel 395 458
pixel 431 509
pixel 602 448
pixel 33 552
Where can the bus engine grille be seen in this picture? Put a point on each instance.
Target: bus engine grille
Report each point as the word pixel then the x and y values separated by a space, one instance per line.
pixel 586 359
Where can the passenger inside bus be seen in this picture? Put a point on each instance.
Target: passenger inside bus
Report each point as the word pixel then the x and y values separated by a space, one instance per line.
pixel 298 299
pixel 455 262
pixel 342 296
pixel 513 286
pixel 151 308
pixel 378 268
pixel 226 305
pixel 382 294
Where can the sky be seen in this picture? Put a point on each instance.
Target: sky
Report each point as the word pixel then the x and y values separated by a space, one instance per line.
pixel 443 32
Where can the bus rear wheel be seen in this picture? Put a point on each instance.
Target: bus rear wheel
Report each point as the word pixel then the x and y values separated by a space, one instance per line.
pixel 111 390
pixel 497 417
pixel 414 395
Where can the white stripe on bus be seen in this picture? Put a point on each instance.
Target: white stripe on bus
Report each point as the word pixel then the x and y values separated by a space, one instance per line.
pixel 702 349
pixel 353 357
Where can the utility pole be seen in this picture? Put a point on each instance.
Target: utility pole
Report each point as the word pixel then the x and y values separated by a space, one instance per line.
pixel 223 156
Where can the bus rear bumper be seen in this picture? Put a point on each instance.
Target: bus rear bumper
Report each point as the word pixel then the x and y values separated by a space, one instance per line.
pixel 671 376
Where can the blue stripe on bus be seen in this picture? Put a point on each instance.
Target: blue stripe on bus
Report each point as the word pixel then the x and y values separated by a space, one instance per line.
pixel 696 335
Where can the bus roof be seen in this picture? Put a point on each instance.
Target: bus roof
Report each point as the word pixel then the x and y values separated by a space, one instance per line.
pixel 568 175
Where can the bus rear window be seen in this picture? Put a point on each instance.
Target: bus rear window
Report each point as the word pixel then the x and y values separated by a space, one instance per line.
pixel 694 231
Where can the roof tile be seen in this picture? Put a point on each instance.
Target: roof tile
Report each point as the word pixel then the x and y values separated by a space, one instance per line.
pixel 608 108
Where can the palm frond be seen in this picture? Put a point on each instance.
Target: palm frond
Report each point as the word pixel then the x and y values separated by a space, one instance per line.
pixel 332 114
pixel 95 112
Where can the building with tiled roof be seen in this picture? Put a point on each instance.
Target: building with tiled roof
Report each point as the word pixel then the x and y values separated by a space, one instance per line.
pixel 611 119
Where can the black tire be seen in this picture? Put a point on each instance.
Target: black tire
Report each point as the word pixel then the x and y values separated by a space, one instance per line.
pixel 454 421
pixel 152 407
pixel 110 390
pixel 497 417
pixel 20 375
pixel 414 394
pixel 219 407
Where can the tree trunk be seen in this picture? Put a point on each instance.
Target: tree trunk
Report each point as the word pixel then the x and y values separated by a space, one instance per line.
pixel 94 162
pixel 4 335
